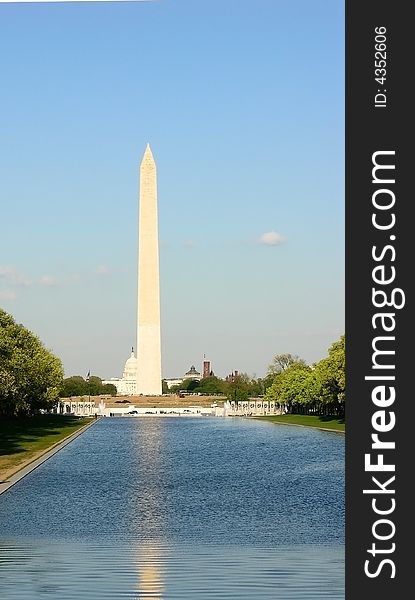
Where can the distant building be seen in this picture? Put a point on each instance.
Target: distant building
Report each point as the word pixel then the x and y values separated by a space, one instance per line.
pixel 127 385
pixel 232 376
pixel 192 374
pixel 206 368
pixel 173 381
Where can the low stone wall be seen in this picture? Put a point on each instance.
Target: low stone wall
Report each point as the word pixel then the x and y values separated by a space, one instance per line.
pixel 167 404
pixel 166 411
pixel 252 407
pixel 163 401
pixel 104 405
pixel 78 407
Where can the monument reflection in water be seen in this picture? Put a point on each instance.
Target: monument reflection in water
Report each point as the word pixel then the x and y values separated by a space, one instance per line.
pixel 150 584
pixel 149 561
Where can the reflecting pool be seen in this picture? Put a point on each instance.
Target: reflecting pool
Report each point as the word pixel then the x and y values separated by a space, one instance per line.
pixel 179 508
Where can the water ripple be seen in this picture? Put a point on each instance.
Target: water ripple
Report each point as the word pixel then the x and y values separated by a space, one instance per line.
pixel 87 571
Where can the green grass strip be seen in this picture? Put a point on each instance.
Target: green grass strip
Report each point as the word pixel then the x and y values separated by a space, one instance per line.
pixel 321 422
pixel 22 439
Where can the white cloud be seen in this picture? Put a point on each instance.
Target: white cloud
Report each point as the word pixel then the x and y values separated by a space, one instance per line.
pixel 102 270
pixel 7 295
pixel 47 280
pixel 5 271
pixel 189 243
pixel 11 275
pixel 271 238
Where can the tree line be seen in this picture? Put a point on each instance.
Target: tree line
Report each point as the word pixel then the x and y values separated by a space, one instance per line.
pixel 30 375
pixel 292 384
pixel 319 388
pixel 90 386
pixel 31 378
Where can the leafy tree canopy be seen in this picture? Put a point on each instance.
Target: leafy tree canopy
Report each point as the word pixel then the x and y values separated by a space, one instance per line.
pixel 30 375
pixel 289 382
pixel 281 362
pixel 322 385
pixel 238 388
pixel 331 372
pixel 210 385
pixel 78 386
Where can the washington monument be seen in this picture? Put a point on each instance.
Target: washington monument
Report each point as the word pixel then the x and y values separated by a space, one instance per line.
pixel 148 318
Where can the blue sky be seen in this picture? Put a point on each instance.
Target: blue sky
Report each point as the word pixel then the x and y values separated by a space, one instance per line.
pixel 243 105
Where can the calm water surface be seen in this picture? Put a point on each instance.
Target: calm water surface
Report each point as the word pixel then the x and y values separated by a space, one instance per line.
pixel 179 508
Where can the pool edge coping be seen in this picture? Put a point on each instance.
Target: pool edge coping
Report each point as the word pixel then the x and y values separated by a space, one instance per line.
pixel 36 462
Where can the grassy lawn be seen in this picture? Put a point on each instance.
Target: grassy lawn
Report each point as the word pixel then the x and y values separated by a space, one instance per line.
pixel 23 440
pixel 308 420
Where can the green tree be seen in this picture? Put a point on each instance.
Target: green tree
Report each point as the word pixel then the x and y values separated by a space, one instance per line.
pixel 299 393
pixel 78 386
pixel 210 385
pixel 189 385
pixel 94 386
pixel 331 374
pixel 281 362
pixel 258 386
pixel 238 389
pixel 30 375
pixel 73 386
pixel 109 389
pixel 321 388
pixel 175 388
pixel 290 385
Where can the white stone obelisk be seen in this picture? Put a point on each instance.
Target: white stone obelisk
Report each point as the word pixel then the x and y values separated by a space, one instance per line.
pixel 148 318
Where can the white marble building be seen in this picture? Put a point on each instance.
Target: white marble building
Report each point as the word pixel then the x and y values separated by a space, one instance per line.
pixel 127 384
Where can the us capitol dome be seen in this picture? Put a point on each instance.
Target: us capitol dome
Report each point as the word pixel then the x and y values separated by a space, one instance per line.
pixel 130 368
pixel 127 385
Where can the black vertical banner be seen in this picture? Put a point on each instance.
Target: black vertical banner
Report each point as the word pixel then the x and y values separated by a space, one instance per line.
pixel 380 436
